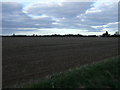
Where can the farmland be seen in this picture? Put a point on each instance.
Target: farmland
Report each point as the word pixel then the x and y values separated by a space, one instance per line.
pixel 26 59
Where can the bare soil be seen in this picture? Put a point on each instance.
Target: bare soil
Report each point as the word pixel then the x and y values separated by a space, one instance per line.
pixel 32 58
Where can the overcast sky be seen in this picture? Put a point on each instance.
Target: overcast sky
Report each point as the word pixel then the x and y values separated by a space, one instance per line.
pixel 59 17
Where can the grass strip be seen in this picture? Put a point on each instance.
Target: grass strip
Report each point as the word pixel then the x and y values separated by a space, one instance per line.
pixel 104 74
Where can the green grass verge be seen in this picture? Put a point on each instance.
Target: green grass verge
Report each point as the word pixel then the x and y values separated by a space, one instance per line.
pixel 103 74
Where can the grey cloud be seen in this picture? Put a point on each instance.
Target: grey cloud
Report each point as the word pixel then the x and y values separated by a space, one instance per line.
pixel 65 9
pixel 11 8
pixel 61 16
pixel 13 18
pixel 107 15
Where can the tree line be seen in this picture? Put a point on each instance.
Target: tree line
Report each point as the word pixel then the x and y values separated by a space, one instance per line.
pixel 106 34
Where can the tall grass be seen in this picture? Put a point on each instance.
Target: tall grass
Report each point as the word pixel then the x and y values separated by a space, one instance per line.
pixel 103 74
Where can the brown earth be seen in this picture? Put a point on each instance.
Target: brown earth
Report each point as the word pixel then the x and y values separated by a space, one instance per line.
pixel 33 58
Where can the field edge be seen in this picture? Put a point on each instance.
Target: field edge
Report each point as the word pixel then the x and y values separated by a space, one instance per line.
pixel 102 74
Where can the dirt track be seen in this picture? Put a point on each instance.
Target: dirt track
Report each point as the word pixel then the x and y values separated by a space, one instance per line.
pixel 30 58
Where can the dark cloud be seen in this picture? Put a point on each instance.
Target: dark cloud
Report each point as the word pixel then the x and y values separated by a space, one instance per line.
pixel 13 17
pixel 65 15
pixel 65 9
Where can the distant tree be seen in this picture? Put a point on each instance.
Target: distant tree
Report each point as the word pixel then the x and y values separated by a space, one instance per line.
pixel 13 34
pixel 33 34
pixel 106 34
pixel 116 34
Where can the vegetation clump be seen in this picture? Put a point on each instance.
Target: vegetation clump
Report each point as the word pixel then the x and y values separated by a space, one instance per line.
pixel 100 75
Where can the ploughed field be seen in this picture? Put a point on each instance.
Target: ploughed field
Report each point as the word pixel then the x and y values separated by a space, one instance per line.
pixel 25 59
